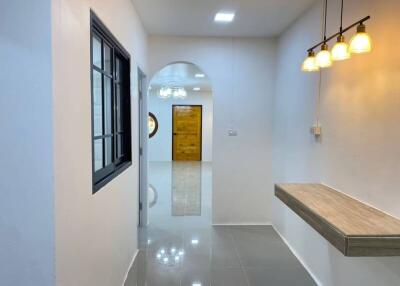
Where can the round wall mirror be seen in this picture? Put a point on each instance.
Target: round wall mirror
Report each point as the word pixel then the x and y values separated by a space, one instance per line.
pixel 153 125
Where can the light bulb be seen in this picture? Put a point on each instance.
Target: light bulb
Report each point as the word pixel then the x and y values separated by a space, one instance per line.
pixel 310 64
pixel 323 58
pixel 340 50
pixel 361 42
pixel 179 92
pixel 165 92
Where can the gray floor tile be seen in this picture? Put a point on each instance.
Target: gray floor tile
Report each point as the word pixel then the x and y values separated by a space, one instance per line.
pixel 228 277
pixel 223 256
pixel 255 234
pixel 279 277
pixel 213 255
pixel 267 256
pixel 196 276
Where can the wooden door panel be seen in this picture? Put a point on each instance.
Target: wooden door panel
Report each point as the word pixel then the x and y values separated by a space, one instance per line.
pixel 187 121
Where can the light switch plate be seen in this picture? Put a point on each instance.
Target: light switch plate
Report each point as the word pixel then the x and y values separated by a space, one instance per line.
pixel 316 130
pixel 232 132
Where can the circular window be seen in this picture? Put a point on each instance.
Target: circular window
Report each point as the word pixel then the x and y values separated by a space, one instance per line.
pixel 153 125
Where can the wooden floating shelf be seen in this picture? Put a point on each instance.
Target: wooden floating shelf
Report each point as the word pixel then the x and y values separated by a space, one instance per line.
pixel 354 228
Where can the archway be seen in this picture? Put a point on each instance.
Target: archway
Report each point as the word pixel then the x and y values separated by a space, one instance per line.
pixel 179 153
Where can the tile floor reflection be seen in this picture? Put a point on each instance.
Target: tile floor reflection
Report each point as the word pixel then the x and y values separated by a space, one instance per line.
pixel 180 247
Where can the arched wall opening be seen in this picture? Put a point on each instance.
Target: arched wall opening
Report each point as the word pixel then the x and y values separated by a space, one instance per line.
pixel 180 105
pixel 197 88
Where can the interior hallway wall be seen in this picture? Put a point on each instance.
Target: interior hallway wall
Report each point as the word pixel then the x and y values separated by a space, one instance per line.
pixel 358 152
pixel 160 145
pixel 242 76
pixel 95 234
pixel 26 145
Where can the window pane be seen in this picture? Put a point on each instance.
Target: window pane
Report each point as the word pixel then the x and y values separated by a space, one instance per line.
pixel 97 104
pixel 98 154
pixel 107 58
pixel 117 68
pixel 107 105
pixel 96 53
pixel 108 151
pixel 118 108
pixel 120 146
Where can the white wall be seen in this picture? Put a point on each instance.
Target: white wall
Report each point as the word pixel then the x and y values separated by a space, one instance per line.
pixel 95 234
pixel 160 146
pixel 359 149
pixel 26 145
pixel 242 76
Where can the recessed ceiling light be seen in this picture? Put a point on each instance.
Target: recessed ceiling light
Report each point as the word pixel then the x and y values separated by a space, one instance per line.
pixel 199 75
pixel 196 284
pixel 196 89
pixel 224 17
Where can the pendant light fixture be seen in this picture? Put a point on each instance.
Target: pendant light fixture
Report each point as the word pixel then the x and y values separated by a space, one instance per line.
pixel 174 91
pixel 310 63
pixel 324 58
pixel 361 42
pixel 340 50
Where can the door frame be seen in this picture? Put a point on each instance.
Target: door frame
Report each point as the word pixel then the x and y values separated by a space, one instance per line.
pixel 201 128
pixel 143 139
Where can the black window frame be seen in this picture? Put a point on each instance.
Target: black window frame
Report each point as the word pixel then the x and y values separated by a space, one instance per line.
pixel 121 158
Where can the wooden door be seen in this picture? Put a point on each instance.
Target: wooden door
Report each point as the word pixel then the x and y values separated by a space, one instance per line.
pixel 186 138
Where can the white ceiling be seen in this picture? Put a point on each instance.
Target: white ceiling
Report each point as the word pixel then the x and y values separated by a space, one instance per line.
pixel 180 74
pixel 254 18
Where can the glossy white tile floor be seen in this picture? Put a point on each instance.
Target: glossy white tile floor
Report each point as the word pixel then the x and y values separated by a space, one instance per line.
pixel 180 247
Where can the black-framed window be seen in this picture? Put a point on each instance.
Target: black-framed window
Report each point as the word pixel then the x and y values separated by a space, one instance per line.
pixel 111 107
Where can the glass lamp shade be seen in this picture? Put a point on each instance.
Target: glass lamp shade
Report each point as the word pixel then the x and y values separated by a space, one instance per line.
pixel 310 63
pixel 179 92
pixel 165 92
pixel 324 58
pixel 361 42
pixel 340 50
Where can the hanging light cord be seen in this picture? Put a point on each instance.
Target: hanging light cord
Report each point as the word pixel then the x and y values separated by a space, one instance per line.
pixel 341 19
pixel 326 12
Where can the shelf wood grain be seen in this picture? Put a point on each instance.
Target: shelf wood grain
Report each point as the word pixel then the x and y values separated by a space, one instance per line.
pixel 354 228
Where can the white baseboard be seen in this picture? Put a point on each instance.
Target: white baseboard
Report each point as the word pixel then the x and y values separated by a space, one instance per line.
pixel 298 257
pixel 130 266
pixel 242 224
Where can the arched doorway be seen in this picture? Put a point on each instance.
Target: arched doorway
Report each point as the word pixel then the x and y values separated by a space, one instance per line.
pixel 179 151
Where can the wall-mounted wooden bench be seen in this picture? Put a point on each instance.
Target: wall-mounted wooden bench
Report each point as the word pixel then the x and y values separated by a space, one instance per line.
pixel 354 228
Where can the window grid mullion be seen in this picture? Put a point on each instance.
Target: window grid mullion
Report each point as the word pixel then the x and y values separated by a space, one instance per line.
pixel 112 105
pixel 103 104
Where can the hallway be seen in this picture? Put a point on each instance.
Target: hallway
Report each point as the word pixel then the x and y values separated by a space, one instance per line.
pixel 180 247
pixel 199 143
